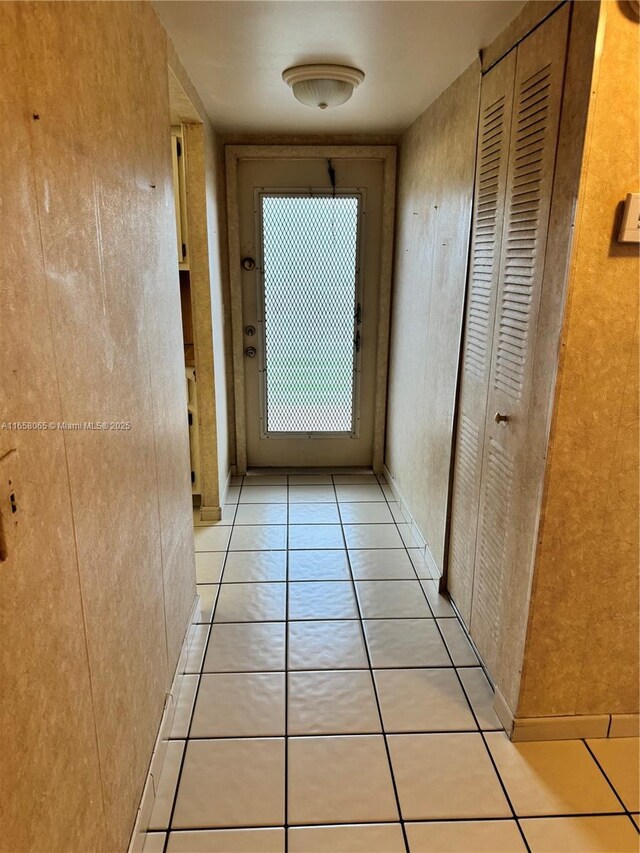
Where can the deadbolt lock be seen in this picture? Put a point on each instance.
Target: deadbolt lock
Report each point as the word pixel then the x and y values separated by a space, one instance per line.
pixel 248 264
pixel 250 352
pixel 249 331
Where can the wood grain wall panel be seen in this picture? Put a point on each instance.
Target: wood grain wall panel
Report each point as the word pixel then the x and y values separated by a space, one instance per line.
pixel 98 321
pixel 209 291
pixel 166 370
pixel 96 76
pixel 435 192
pixel 581 654
pixel 170 439
pixel 199 266
pixel 50 778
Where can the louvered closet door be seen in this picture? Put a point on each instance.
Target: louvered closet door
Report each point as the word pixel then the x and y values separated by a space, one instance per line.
pixel 486 236
pixel 539 77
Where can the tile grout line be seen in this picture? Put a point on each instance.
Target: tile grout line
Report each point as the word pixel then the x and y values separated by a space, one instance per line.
pixel 465 630
pixel 609 782
pixel 404 544
pixel 335 524
pixel 286 685
pixel 197 693
pixel 475 819
pixel 373 681
pixel 328 619
pixel 315 669
pixel 286 826
pixel 328 580
pixel 486 745
pixel 361 620
pixel 316 735
pixel 473 713
pixel 482 732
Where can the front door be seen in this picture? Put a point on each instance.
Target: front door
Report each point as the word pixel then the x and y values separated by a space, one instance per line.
pixel 310 238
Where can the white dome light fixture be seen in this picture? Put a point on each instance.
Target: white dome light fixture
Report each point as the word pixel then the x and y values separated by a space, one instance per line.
pixel 322 86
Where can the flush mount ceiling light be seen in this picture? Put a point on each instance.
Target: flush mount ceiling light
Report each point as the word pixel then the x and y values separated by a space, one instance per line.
pixel 322 86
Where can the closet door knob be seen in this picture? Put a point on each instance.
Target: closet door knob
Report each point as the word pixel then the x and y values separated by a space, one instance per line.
pixel 501 419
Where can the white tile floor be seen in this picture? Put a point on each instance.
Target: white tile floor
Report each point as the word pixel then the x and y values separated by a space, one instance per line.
pixel 332 702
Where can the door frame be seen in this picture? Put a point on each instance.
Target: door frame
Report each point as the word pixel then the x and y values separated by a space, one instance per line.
pixel 384 153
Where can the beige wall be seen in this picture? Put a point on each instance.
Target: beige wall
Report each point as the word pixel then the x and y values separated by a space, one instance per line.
pixel 434 201
pixel 581 654
pixel 95 599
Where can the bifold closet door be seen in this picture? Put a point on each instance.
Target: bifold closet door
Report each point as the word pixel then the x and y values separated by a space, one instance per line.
pixel 486 236
pixel 506 529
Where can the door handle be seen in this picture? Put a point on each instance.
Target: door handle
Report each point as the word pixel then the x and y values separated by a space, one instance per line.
pixel 501 419
pixel 250 352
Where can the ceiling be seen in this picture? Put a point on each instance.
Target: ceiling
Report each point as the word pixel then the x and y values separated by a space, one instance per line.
pixel 236 50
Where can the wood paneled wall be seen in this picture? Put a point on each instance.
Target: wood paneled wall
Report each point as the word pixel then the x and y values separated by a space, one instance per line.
pixel 95 599
pixel 208 291
pixel 434 201
pixel 581 654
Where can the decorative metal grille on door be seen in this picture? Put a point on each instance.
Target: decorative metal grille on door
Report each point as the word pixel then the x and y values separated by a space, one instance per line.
pixel 310 287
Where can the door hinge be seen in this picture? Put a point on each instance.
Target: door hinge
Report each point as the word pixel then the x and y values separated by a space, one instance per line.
pixel 356 342
pixel 184 251
pixel 179 148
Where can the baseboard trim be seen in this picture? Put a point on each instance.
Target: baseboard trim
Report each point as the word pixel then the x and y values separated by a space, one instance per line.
pixel 147 800
pixel 568 727
pixel 502 709
pixel 624 725
pixel 208 515
pixel 421 542
pixel 559 728
pixel 227 484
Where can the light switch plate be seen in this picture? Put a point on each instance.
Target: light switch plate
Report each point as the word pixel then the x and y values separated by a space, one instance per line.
pixel 630 228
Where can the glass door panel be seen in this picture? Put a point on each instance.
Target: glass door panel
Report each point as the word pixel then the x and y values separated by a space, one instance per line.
pixel 310 297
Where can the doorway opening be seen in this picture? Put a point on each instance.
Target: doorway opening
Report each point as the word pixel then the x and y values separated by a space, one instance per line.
pixel 310 262
pixel 189 142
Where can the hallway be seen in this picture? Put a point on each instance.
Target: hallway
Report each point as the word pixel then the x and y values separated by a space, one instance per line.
pixel 381 709
pixel 312 241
